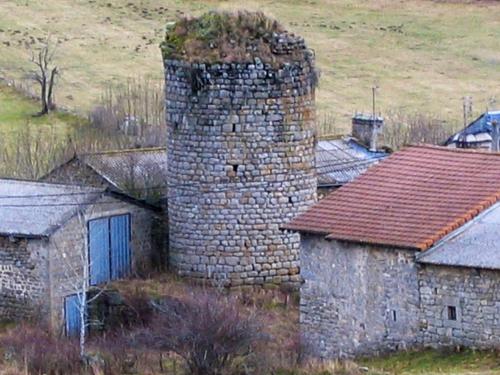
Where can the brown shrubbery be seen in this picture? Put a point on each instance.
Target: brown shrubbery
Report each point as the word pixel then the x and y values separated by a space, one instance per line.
pixel 209 331
pixel 35 351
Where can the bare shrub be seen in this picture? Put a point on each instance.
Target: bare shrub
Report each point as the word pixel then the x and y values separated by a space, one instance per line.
pixel 410 128
pixel 36 351
pixel 32 152
pixel 136 109
pixel 209 331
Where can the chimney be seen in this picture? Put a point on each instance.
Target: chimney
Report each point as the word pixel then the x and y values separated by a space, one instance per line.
pixel 368 130
pixel 495 136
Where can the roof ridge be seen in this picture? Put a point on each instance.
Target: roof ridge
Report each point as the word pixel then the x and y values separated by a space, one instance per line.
pixel 463 219
pixel 48 183
pixel 125 150
pixel 449 149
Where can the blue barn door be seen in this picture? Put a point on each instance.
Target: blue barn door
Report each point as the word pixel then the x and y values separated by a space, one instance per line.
pixel 99 258
pixel 120 246
pixel 72 319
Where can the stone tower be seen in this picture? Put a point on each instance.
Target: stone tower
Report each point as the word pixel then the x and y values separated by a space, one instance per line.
pixel 241 134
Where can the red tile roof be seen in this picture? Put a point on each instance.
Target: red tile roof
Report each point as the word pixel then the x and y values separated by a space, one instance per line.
pixel 411 200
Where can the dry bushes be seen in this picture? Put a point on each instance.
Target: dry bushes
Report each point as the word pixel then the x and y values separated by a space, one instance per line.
pixel 209 331
pixel 36 351
pixel 412 128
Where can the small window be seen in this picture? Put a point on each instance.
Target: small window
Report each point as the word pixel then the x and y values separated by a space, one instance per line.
pixel 452 313
pixel 394 316
pixel 235 168
pixel 290 200
pixel 234 128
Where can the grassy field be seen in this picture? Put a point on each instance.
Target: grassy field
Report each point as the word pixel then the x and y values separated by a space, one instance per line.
pixel 17 112
pixel 423 55
pixel 434 362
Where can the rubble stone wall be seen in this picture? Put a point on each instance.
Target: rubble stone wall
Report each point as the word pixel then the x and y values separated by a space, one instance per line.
pixel 241 163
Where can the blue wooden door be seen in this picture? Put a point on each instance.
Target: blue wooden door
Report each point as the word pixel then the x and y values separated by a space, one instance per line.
pixel 120 246
pixel 99 258
pixel 72 318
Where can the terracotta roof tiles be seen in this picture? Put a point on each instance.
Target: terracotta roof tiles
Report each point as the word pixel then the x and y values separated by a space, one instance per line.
pixel 412 199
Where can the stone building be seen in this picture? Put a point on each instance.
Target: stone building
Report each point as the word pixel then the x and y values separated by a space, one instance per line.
pixel 482 133
pixel 53 235
pixel 138 174
pixel 341 159
pixel 406 255
pixel 241 135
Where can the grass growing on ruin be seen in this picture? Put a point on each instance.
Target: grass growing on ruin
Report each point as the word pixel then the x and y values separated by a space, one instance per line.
pixel 437 362
pixel 424 55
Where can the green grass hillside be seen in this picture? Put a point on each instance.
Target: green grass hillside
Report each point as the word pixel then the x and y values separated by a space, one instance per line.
pixel 424 55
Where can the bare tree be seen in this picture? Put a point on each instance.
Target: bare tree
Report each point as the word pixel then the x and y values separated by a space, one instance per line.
pixel 76 265
pixel 45 74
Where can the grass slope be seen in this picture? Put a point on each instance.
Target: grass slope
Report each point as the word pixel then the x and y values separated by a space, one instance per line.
pixel 436 362
pixel 17 112
pixel 424 55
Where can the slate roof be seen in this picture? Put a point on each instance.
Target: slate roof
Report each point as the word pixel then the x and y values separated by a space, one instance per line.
pixel 36 209
pixel 341 160
pixel 478 131
pixel 131 170
pixel 475 245
pixel 411 199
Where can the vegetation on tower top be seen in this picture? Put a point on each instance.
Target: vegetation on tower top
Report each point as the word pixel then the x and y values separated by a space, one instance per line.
pixel 229 37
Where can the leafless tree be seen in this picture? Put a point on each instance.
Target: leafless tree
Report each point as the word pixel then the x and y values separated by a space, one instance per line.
pixel 76 277
pixel 45 74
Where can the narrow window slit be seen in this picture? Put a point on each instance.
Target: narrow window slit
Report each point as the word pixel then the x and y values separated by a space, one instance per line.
pixel 452 313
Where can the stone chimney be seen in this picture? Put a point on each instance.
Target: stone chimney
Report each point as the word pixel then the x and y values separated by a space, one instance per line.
pixel 368 130
pixel 495 136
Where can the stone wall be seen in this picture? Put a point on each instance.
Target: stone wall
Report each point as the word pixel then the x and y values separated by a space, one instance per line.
pixel 23 277
pixel 67 244
pixel 75 172
pixel 475 296
pixel 357 299
pixel 240 164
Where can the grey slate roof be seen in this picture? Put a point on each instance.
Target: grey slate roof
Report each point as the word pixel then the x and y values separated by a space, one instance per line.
pixel 475 245
pixel 36 209
pixel 131 170
pixel 341 160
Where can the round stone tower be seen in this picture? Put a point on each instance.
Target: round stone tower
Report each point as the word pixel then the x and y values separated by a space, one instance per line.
pixel 240 113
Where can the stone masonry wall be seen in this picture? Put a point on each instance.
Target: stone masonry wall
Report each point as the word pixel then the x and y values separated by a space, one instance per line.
pixel 357 299
pixel 475 295
pixel 23 277
pixel 240 164
pixel 68 243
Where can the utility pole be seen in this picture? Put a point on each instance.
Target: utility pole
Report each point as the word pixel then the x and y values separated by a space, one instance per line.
pixel 467 108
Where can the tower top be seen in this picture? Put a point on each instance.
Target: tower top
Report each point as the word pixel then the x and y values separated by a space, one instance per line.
pixel 232 37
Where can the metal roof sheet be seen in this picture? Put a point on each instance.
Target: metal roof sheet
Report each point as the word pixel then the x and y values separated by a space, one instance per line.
pixel 475 245
pixel 341 160
pixel 36 209
pixel 131 171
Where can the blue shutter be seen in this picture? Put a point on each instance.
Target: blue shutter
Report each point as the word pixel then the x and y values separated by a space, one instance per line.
pixel 120 246
pixel 99 251
pixel 72 319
